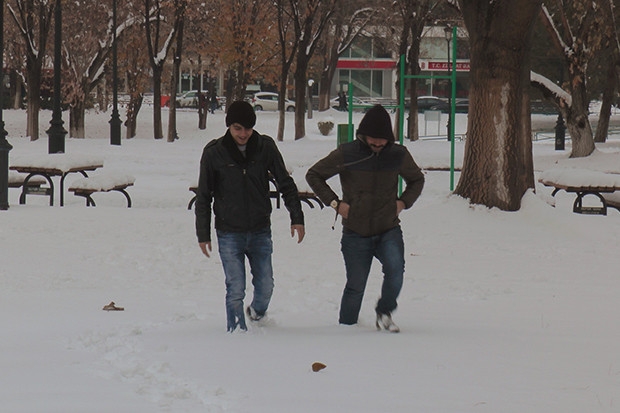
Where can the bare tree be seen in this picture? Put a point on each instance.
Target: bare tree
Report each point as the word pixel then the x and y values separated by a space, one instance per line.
pixel 243 42
pixel 179 20
pixel 498 165
pixel 310 17
pixel 288 50
pixel 87 48
pixel 347 24
pixel 159 40
pixel 33 19
pixel 578 29
pixel 414 15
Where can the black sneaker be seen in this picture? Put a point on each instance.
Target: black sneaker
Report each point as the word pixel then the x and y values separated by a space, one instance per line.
pixel 253 315
pixel 384 321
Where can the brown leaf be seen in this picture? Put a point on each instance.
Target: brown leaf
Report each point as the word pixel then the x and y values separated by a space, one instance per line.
pixel 318 366
pixel 112 307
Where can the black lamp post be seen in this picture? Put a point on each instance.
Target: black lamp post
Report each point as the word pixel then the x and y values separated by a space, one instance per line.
pixel 56 133
pixel 115 120
pixel 447 31
pixel 5 146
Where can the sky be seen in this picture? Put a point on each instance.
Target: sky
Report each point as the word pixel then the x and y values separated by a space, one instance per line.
pixel 499 312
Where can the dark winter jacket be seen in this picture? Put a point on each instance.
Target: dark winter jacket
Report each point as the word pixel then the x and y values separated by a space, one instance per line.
pixel 238 185
pixel 369 184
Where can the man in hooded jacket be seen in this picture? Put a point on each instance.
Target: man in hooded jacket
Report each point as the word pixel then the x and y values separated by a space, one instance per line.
pixel 369 170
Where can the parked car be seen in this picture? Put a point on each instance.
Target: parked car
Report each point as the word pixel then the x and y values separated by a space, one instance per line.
pixel 431 103
pixel 460 105
pixel 269 101
pixel 188 99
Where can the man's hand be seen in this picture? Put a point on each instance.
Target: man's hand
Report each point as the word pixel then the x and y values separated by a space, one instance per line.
pixel 205 247
pixel 400 205
pixel 343 209
pixel 300 230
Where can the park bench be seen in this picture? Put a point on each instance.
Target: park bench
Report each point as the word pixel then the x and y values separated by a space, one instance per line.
pixel 33 186
pixel 103 182
pixel 584 183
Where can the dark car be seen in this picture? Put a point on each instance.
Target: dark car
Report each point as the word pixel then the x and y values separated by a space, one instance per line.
pixel 431 103
pixel 460 106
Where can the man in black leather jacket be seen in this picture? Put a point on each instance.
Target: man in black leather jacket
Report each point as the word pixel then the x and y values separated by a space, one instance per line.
pixel 234 177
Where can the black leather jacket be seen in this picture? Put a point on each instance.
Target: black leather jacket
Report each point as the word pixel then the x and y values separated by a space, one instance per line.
pixel 238 186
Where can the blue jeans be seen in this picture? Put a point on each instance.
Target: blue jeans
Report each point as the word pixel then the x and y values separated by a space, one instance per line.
pixel 358 253
pixel 233 248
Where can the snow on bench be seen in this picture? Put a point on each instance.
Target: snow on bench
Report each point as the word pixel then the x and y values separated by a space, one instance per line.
pixel 16 180
pixel 584 182
pixel 102 182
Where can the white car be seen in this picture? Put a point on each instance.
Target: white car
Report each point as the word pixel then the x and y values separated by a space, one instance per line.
pixel 188 99
pixel 335 103
pixel 269 101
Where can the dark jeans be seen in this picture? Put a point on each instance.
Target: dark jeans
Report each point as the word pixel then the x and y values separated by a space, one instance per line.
pixel 358 253
pixel 233 248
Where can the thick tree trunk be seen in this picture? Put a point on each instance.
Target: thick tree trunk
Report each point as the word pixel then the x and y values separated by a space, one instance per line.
pixel 577 122
pixel 76 120
pixel 498 165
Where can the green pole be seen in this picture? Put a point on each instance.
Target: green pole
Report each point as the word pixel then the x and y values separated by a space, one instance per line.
pixel 453 107
pixel 350 105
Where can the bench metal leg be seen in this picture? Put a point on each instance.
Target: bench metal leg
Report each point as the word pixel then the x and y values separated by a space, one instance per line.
pixel 580 209
pixel 122 191
pixel 22 197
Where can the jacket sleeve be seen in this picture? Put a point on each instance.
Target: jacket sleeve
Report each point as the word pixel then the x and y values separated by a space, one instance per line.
pixel 320 172
pixel 286 185
pixel 414 179
pixel 204 198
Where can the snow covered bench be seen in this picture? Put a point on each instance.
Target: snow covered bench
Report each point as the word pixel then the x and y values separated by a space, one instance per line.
pixel 33 186
pixel 102 182
pixel 584 182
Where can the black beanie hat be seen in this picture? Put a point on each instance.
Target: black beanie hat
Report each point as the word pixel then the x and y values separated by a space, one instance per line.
pixel 241 112
pixel 376 124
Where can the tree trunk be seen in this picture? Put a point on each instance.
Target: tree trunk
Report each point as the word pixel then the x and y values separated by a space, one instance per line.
pixel 157 125
pixel 16 90
pixel 300 96
pixel 327 75
pixel 135 103
pixel 76 120
pixel 281 102
pixel 34 102
pixel 609 91
pixel 577 122
pixel 498 165
pixel 172 106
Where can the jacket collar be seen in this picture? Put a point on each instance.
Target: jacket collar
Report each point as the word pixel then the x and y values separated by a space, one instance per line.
pixel 233 150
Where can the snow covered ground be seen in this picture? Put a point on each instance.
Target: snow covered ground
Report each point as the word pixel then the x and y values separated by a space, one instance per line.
pixel 500 312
